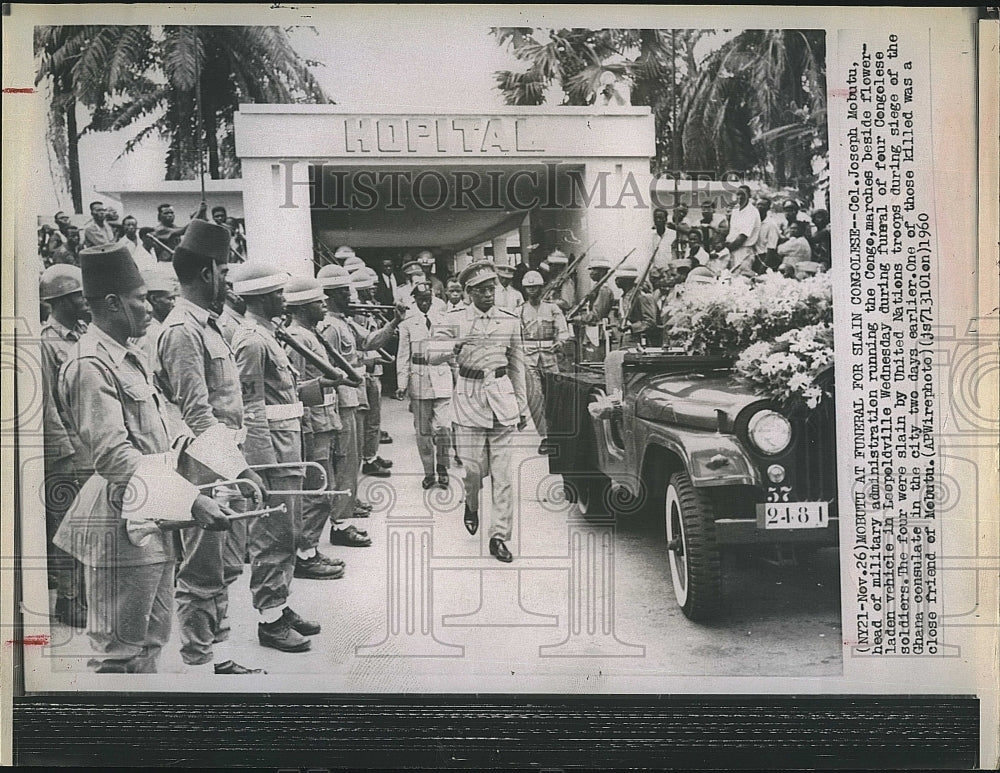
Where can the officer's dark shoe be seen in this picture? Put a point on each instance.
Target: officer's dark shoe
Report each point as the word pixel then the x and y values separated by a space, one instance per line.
pixel 384 438
pixel 316 568
pixel 442 475
pixel 471 521
pixel 382 462
pixel 545 448
pixel 370 468
pixel 427 482
pixel 279 635
pixel 71 612
pixel 458 460
pixel 499 550
pixel 232 667
pixel 304 627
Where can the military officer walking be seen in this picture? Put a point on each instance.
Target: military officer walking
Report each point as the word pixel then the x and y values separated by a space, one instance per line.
pixel 489 400
pixel 546 340
pixel 429 388
pixel 273 409
pixel 197 371
pixel 108 400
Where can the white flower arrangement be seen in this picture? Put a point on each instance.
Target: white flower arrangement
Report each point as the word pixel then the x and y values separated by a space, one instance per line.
pixel 777 329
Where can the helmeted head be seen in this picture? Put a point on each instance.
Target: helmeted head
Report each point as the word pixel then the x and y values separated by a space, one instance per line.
pixel 532 284
pixel 336 282
pixel 305 298
pixel 262 285
pixel 343 253
pixel 61 286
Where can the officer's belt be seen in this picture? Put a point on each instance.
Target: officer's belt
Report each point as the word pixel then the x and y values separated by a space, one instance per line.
pixel 528 338
pixel 419 359
pixel 282 412
pixel 475 373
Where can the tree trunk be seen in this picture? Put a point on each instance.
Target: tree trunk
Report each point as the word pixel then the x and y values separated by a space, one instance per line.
pixel 73 157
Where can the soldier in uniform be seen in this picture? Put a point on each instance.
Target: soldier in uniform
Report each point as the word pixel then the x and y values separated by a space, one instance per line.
pixel 320 424
pixel 489 400
pixel 565 297
pixel 61 286
pixel 630 326
pixel 594 318
pixel 338 334
pixel 508 296
pixel 197 371
pixel 273 409
pixel 546 340
pixel 161 292
pixel 426 260
pixel 107 398
pixel 234 307
pixel 429 388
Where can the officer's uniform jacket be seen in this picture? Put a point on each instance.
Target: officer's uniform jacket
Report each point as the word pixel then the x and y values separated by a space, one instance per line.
pixel 107 398
pixel 490 383
pixel 317 418
pixel 273 400
pixel 56 344
pixel 413 370
pixel 543 330
pixel 197 371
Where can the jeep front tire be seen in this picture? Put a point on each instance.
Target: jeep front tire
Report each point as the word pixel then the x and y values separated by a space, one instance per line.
pixel 692 552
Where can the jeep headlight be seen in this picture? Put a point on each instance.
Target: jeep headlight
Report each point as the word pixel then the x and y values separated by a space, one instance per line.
pixel 769 431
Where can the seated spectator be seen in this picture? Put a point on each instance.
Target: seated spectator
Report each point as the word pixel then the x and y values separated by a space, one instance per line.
pixel 69 251
pixel 820 241
pixel 696 251
pixel 793 215
pixel 794 250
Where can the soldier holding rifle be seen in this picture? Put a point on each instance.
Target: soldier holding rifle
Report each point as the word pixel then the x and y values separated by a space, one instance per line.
pixel 273 408
pixel 107 398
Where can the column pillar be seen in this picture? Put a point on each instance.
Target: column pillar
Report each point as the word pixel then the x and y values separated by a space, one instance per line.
pixel 279 222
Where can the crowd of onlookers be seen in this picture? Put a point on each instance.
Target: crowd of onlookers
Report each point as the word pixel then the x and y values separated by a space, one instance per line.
pixel 61 241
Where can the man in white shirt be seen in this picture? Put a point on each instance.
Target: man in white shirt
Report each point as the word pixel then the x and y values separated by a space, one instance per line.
pixel 744 228
pixel 507 296
pixel 794 250
pixel 767 239
pixel 130 239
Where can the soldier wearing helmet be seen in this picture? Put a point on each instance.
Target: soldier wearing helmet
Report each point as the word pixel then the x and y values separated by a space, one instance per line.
pixel 547 341
pixel 61 287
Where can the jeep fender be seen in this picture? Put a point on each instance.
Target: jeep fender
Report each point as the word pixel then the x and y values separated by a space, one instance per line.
pixel 709 458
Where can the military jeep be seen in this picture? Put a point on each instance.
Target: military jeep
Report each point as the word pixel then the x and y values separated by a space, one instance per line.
pixel 679 437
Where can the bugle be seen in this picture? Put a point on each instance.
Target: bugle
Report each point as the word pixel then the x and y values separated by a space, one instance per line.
pixel 324 367
pixel 597 286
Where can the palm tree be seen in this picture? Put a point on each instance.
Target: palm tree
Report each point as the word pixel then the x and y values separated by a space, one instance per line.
pixel 755 105
pixel 129 74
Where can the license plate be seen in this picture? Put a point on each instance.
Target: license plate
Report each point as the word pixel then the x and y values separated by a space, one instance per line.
pixel 792 515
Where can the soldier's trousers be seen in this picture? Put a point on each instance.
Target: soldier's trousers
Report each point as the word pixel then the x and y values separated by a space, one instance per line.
pixel 129 616
pixel 371 430
pixel 431 421
pixel 66 574
pixel 271 541
pixel 203 591
pixel 534 386
pixel 489 450
pixel 346 464
pixel 316 510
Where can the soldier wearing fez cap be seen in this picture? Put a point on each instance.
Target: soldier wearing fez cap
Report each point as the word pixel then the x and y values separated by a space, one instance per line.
pixel 107 398
pixel 272 411
pixel 489 397
pixel 197 371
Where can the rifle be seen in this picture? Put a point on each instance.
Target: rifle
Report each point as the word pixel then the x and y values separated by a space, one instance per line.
pixel 633 294
pixel 318 362
pixel 597 286
pixel 565 274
